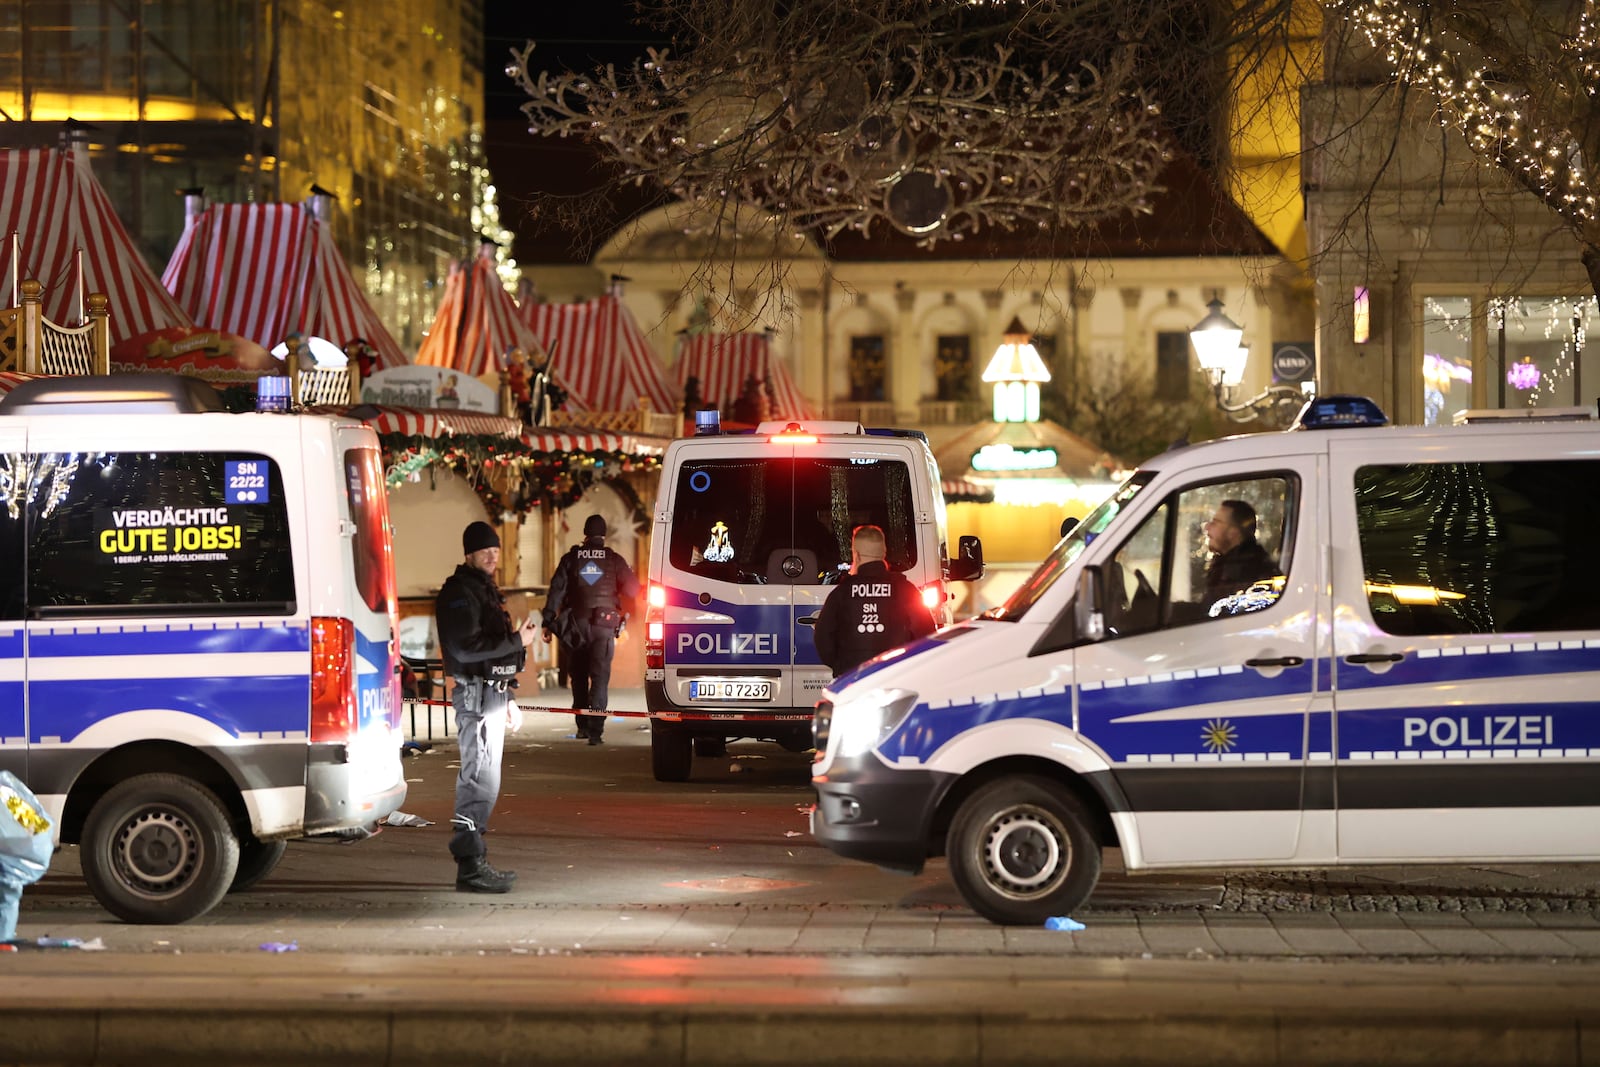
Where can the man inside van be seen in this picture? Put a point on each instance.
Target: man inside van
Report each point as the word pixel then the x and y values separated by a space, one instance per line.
pixel 872 610
pixel 482 653
pixel 1237 560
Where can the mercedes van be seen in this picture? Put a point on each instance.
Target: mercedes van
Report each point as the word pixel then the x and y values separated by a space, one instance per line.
pixel 751 533
pixel 1412 678
pixel 197 617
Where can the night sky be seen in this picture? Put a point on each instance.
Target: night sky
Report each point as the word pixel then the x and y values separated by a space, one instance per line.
pixel 579 35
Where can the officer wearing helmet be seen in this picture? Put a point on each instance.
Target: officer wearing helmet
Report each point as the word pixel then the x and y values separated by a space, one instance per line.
pixel 598 588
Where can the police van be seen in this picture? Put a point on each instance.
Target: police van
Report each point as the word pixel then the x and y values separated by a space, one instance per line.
pixel 1416 679
pixel 751 533
pixel 197 612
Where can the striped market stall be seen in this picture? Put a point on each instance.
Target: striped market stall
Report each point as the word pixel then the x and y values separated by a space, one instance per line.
pixel 477 324
pixel 601 351
pixel 724 362
pixel 264 271
pixel 50 200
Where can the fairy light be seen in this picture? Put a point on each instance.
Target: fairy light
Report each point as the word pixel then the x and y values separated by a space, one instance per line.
pixel 1499 121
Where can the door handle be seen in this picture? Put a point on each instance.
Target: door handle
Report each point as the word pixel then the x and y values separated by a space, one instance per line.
pixel 1280 661
pixel 808 620
pixel 1375 657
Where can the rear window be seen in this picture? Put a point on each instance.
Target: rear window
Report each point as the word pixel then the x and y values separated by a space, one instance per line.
pixel 741 520
pixel 157 533
pixel 373 548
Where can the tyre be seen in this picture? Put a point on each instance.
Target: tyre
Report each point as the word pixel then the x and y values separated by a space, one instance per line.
pixel 256 860
pixel 159 849
pixel 671 752
pixel 1020 851
pixel 710 746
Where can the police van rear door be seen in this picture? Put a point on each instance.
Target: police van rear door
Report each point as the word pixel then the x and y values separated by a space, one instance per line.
pixel 727 642
pixel 842 482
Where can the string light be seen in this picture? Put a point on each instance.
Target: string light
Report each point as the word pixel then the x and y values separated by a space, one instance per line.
pixel 1521 127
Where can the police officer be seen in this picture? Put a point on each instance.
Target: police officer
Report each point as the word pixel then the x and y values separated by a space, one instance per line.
pixel 872 610
pixel 482 653
pixel 598 587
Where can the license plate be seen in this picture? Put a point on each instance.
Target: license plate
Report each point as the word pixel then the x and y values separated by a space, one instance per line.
pixel 727 689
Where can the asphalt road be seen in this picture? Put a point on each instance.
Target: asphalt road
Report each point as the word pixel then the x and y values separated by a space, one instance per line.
pixel 698 923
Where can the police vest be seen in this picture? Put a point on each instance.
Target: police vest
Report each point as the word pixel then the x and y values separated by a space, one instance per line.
pixel 592 581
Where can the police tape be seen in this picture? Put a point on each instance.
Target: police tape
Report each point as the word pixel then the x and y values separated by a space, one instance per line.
pixel 667 716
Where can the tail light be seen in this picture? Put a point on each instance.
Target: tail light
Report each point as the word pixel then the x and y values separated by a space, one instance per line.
pixel 333 679
pixel 933 596
pixel 655 628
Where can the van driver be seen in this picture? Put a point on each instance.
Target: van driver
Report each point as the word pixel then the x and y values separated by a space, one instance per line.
pixel 1237 559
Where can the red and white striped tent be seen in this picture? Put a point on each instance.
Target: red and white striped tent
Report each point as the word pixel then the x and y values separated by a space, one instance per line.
pixel 600 349
pixel 477 323
pixel 723 362
pixel 579 440
pixel 264 271
pixel 50 199
pixel 425 422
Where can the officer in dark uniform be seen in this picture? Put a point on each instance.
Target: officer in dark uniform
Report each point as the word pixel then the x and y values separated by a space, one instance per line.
pixel 482 653
pixel 872 610
pixel 598 587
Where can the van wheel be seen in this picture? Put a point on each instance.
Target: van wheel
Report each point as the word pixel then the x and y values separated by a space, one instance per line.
pixel 710 746
pixel 1020 851
pixel 256 860
pixel 159 849
pixel 671 752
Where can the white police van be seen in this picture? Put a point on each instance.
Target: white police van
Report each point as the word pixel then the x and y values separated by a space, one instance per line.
pixel 1416 682
pixel 197 612
pixel 751 533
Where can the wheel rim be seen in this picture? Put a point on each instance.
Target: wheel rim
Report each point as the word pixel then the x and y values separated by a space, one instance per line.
pixel 156 852
pixel 1026 852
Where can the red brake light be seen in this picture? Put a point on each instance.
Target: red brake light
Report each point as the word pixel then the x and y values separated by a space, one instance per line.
pixel 333 680
pixel 655 599
pixel 933 595
pixel 793 434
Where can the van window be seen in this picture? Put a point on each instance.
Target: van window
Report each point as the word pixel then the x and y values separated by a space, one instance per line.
pixel 1473 548
pixel 12 546
pixel 1206 551
pixel 158 532
pixel 372 548
pixel 735 519
pixel 1070 548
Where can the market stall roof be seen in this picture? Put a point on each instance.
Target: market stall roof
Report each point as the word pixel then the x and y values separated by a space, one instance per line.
pixel 576 440
pixel 962 491
pixel 600 350
pixel 425 422
pixel 477 324
pixel 1002 451
pixel 723 362
pixel 264 271
pixel 50 199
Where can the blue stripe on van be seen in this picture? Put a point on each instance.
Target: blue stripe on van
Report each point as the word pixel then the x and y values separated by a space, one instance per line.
pixel 1471 731
pixel 258 704
pixel 11 720
pixel 759 635
pixel 1493 661
pixel 157 642
pixel 11 644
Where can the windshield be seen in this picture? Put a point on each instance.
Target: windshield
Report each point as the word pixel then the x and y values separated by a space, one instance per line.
pixel 1070 548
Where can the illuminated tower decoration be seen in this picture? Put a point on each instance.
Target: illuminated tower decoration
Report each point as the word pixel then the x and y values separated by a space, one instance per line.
pixel 1016 371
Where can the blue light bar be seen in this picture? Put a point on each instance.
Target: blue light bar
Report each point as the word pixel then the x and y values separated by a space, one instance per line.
pixel 1339 412
pixel 707 422
pixel 272 393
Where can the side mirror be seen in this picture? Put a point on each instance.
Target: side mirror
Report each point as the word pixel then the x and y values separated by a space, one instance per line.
pixel 968 564
pixel 1068 524
pixel 1088 612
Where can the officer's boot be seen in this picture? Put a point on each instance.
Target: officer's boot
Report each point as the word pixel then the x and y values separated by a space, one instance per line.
pixel 477 876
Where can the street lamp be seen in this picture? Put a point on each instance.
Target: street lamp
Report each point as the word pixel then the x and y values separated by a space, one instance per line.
pixel 1016 371
pixel 1216 346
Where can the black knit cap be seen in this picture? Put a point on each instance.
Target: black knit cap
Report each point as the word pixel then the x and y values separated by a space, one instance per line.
pixel 594 526
pixel 478 536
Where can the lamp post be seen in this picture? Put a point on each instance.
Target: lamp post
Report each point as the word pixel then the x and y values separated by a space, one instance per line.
pixel 1216 347
pixel 1016 371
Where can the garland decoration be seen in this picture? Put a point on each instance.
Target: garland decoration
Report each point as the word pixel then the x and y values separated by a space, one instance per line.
pixel 506 473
